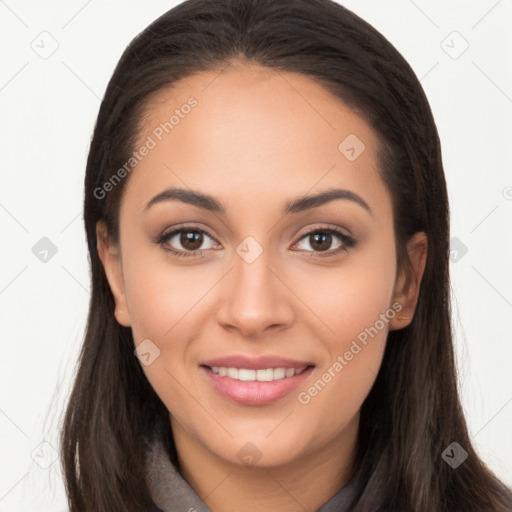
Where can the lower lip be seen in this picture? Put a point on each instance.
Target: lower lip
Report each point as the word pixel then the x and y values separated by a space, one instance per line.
pixel 255 392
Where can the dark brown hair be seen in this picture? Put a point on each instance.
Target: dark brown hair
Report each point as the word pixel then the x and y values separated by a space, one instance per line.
pixel 413 412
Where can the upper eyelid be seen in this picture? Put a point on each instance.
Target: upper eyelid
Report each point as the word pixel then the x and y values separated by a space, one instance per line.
pixel 174 232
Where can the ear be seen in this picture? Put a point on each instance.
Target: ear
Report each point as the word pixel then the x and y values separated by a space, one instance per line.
pixel 110 256
pixel 407 285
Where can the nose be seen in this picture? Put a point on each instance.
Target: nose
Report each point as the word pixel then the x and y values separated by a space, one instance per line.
pixel 254 300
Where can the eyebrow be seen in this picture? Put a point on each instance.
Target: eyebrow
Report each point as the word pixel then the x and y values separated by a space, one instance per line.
pixel 207 202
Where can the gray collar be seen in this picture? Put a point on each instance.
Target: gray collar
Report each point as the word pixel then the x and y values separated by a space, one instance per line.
pixel 171 492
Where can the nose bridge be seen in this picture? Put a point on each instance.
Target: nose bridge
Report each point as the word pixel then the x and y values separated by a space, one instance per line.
pixel 252 267
pixel 254 298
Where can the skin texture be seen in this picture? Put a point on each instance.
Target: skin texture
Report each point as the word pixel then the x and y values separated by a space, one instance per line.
pixel 256 140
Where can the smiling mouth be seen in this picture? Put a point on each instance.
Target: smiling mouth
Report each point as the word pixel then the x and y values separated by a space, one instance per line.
pixel 255 386
pixel 255 380
pixel 260 375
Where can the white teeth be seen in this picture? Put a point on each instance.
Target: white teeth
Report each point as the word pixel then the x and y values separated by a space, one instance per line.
pixel 244 374
pixel 267 375
pixel 279 373
pixel 233 373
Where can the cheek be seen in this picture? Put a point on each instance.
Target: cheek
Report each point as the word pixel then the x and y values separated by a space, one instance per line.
pixel 339 387
pixel 354 301
pixel 347 299
pixel 161 300
pixel 160 295
pixel 166 305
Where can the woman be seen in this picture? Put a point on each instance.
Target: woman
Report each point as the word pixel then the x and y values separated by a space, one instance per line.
pixel 268 228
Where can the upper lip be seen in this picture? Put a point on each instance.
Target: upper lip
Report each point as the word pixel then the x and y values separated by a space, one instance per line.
pixel 256 363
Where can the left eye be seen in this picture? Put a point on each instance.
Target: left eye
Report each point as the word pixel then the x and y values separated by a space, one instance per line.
pixel 321 240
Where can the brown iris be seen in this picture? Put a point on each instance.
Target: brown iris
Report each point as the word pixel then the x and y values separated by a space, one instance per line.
pixel 195 238
pixel 322 241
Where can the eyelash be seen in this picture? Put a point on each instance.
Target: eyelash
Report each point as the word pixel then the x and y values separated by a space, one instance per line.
pixel 347 241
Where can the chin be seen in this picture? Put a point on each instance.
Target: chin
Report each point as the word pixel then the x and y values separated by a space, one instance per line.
pixel 260 450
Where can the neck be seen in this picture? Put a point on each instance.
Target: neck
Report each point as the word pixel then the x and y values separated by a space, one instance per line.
pixel 302 484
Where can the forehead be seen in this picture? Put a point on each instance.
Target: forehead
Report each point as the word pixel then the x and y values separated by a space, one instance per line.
pixel 254 132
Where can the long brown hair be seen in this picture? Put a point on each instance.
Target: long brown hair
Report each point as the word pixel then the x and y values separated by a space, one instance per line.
pixel 413 412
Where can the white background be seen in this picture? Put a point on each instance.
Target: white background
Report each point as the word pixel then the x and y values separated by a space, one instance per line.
pixel 48 108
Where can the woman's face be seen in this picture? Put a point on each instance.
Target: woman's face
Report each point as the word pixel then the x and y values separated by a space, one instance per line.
pixel 272 291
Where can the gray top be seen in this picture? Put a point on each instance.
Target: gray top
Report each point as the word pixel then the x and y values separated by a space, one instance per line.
pixel 171 492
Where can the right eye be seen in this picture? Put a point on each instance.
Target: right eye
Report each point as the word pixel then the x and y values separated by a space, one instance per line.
pixel 189 237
